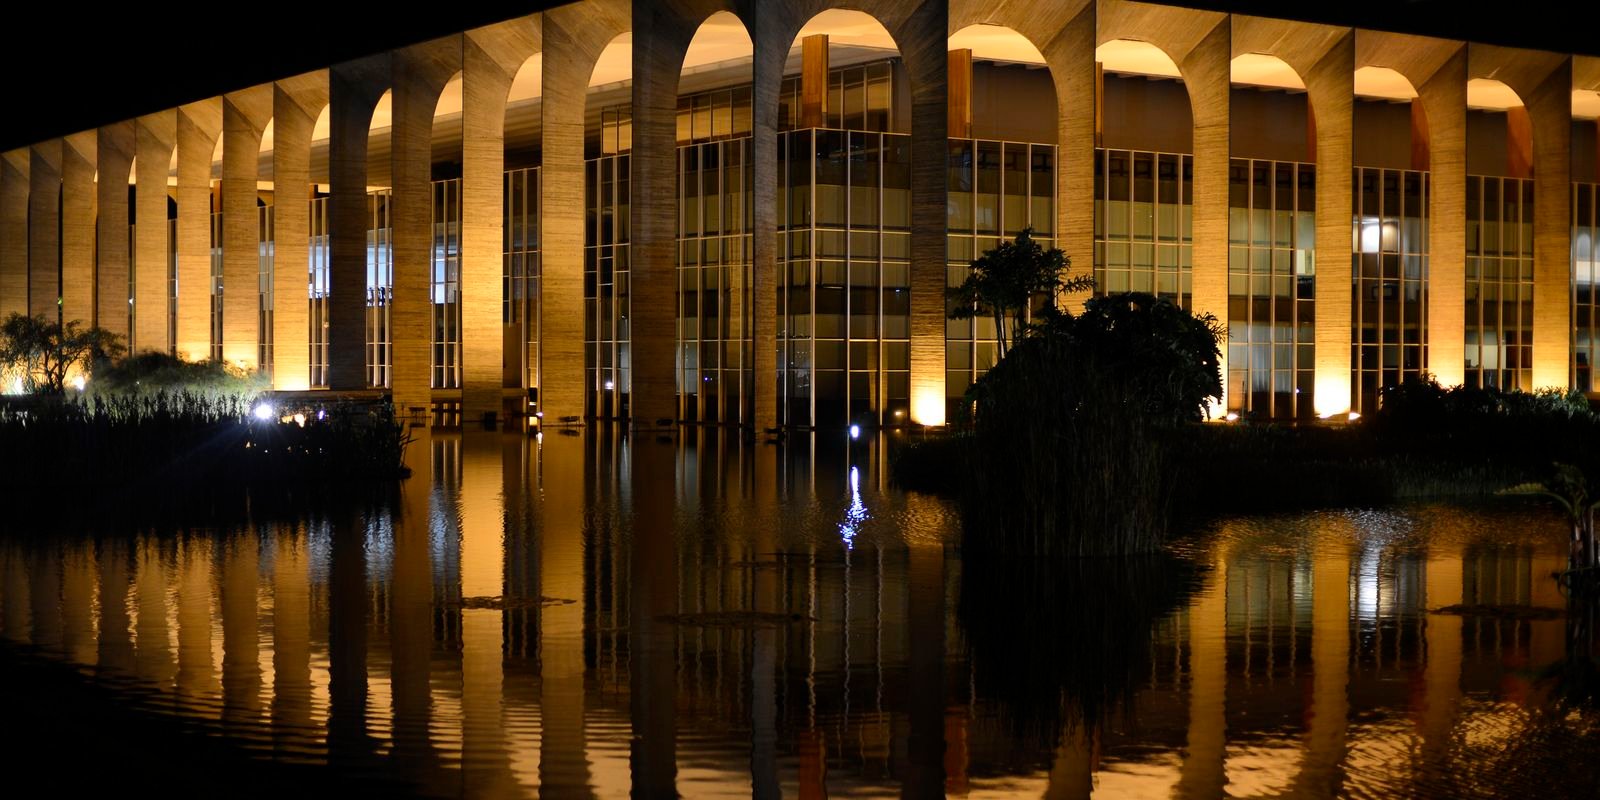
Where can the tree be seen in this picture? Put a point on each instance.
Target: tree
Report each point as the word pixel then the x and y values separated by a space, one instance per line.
pixel 1006 279
pixel 40 354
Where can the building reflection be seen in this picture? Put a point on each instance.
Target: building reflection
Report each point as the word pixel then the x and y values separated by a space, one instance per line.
pixel 593 613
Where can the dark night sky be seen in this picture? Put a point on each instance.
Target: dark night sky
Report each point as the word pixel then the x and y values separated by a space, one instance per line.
pixel 111 79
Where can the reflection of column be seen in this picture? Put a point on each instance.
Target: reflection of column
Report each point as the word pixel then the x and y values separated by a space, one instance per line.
pixel 114 147
pixel 44 230
pixel 411 612
pixel 563 757
pixel 77 603
pixel 1203 773
pixel 1442 670
pixel 241 652
pixel 1547 638
pixel 116 646
pixel 482 510
pixel 152 646
pixel 764 656
pixel 296 104
pixel 653 592
pixel 18 626
pixel 245 115
pixel 196 671
pixel 1072 769
pixel 199 124
pixel 291 637
pixel 347 644
pixel 44 596
pixel 1320 772
pixel 925 683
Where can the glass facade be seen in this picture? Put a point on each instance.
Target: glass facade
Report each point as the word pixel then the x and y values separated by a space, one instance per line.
pixel 1585 277
pixel 861 97
pixel 521 292
pixel 265 257
pixel 1144 223
pixel 445 287
pixel 605 285
pixel 1499 327
pixel 1271 288
pixel 215 286
pixel 715 364
pixel 1389 269
pixel 844 212
pixel 318 290
pixel 995 190
pixel 380 287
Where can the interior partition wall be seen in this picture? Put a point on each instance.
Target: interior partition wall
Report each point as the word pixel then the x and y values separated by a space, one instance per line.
pixel 1499 313
pixel 1585 277
pixel 996 190
pixel 1389 269
pixel 844 252
pixel 1271 288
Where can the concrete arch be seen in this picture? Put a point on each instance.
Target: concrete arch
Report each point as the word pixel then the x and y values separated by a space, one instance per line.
pixel 78 155
pixel 1544 82
pixel 199 124
pixel 572 38
pixel 491 58
pixel 14 232
pixel 354 88
pixel 297 104
pixel 114 150
pixel 1201 44
pixel 156 137
pixel 1437 69
pixel 1324 57
pixel 245 117
pixel 44 234
pixel 1064 34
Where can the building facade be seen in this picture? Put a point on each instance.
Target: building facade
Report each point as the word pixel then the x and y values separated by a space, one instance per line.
pixel 748 213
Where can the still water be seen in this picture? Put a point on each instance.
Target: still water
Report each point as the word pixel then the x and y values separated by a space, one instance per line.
pixel 589 615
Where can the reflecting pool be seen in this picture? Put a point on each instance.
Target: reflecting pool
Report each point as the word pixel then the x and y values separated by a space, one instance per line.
pixel 592 614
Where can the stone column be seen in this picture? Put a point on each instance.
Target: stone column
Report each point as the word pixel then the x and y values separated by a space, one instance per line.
pixel 199 124
pixel 1444 101
pixel 296 104
pixel 44 232
pixel 245 115
pixel 1330 85
pixel 770 52
pixel 490 58
pixel 353 91
pixel 572 38
pixel 1550 106
pixel 14 232
pixel 419 74
pixel 77 228
pixel 1207 72
pixel 923 36
pixel 114 148
pixel 155 136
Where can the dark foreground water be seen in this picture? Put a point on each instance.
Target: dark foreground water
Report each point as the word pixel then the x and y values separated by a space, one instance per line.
pixel 583 615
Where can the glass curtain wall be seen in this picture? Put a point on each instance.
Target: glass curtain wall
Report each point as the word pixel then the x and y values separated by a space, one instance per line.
pixel 1499 334
pixel 264 261
pixel 860 98
pixel 522 308
pixel 1585 277
pixel 996 189
pixel 445 287
pixel 715 363
pixel 172 282
pixel 844 246
pixel 380 287
pixel 215 285
pixel 1271 288
pixel 605 285
pixel 1144 223
pixel 319 285
pixel 1390 273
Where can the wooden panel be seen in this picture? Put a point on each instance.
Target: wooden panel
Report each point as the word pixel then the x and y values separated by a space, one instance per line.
pixel 959 68
pixel 813 81
pixel 1419 136
pixel 1519 143
pixel 1099 104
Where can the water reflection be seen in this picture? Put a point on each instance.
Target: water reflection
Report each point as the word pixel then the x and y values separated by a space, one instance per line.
pixel 593 615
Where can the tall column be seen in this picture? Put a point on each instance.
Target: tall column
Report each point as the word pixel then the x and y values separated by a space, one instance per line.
pixel 659 44
pixel 199 124
pixel 77 228
pixel 44 232
pixel 419 73
pixel 1330 85
pixel 14 232
pixel 1444 102
pixel 1550 106
pixel 245 115
pixel 296 104
pixel 1207 73
pixel 114 149
pixel 1071 58
pixel 353 91
pixel 490 58
pixel 155 136
pixel 923 38
pixel 573 37
pixel 770 51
